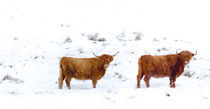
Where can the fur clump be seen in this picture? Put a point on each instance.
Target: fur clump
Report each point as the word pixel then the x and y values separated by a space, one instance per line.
pixel 171 66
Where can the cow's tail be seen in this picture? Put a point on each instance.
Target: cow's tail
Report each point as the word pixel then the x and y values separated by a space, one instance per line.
pixel 61 77
pixel 140 73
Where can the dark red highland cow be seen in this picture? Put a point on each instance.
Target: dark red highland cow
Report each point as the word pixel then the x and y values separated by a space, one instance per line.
pixel 171 66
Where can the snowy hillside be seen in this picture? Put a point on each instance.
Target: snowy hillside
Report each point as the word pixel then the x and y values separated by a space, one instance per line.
pixel 36 34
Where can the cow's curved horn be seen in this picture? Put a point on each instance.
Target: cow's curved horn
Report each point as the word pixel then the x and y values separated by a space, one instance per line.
pixel 95 55
pixel 115 54
pixel 196 52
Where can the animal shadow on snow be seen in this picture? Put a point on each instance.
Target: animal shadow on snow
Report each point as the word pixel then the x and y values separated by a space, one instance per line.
pixel 81 85
pixel 157 83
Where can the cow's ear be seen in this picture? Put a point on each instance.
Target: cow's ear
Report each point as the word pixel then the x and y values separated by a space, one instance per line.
pixel 193 54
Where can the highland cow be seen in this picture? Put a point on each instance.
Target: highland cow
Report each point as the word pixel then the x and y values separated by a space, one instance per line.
pixel 171 66
pixel 84 68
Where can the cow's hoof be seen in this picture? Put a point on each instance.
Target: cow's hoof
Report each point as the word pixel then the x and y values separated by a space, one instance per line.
pixel 173 86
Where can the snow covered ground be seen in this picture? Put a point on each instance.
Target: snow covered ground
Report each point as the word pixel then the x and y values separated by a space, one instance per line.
pixel 36 34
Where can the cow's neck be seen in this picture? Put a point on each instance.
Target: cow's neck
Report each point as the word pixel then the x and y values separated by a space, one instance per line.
pixel 179 67
pixel 102 65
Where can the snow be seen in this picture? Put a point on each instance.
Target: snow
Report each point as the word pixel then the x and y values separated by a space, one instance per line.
pixel 36 34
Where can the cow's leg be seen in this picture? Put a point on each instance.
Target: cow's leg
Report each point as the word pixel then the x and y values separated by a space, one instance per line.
pixel 146 79
pixel 60 80
pixel 68 79
pixel 94 81
pixel 173 79
pixel 139 77
pixel 172 82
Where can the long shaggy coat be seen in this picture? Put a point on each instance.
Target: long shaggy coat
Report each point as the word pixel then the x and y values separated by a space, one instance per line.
pixel 83 69
pixel 171 66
